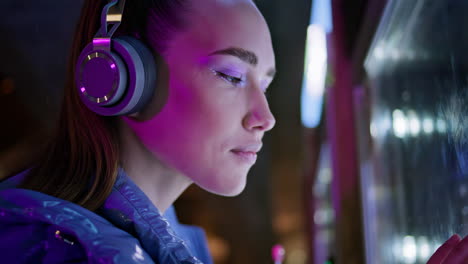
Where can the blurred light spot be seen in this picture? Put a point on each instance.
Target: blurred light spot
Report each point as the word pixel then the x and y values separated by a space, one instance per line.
pixel 277 253
pixel 414 125
pixel 397 248
pixel 315 71
pixel 384 124
pixel 409 250
pixel 428 125
pixel 323 216
pixel 285 222
pixel 379 53
pixel 399 123
pixel 378 192
pixel 220 249
pixel 395 54
pixel 373 130
pixel 441 126
pixel 424 249
pixel 325 235
pixel 324 176
pixel 321 14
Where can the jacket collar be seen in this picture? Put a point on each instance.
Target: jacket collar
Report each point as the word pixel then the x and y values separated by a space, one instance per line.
pixel 128 208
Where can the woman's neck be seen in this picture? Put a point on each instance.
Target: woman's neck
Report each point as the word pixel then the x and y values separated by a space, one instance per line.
pixel 162 184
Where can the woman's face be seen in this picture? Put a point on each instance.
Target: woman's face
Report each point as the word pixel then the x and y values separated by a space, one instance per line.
pixel 212 121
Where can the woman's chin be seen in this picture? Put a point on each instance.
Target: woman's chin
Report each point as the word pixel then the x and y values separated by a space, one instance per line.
pixel 226 187
pixel 232 192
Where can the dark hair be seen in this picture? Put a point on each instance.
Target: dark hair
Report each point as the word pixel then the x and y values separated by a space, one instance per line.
pixel 80 163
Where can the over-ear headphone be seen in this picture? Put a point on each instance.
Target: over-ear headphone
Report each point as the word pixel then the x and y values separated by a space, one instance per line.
pixel 115 76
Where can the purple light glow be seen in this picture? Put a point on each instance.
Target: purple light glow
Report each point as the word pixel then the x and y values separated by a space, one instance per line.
pixel 101 41
pixel 112 66
pixel 83 89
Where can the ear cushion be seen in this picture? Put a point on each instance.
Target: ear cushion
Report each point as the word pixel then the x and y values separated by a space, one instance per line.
pixel 141 68
pixel 118 82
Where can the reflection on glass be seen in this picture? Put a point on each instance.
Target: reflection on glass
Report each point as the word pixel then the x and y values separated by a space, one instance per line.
pixel 414 173
pixel 324 217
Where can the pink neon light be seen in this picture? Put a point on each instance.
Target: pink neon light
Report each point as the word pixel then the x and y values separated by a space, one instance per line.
pixel 101 41
pixel 113 66
pixel 83 89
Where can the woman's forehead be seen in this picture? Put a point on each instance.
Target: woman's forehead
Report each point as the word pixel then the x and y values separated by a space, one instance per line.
pixel 225 10
pixel 221 26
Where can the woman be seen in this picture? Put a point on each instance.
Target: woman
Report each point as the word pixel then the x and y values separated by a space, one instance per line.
pixel 208 114
pixel 203 123
pixel 103 184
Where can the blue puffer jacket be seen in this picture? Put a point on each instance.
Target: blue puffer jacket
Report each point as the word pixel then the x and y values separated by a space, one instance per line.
pixel 128 228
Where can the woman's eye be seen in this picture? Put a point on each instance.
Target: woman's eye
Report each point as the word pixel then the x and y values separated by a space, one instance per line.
pixel 229 78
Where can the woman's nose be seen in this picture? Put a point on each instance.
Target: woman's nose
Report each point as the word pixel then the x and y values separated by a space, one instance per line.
pixel 259 116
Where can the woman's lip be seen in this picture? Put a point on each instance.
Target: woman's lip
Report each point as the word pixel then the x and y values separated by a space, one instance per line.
pixel 245 156
pixel 256 147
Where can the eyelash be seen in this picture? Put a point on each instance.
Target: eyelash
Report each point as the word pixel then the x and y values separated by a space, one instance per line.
pixel 235 80
pixel 231 79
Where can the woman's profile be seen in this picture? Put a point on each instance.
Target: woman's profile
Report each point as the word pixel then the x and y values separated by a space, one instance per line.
pixel 161 94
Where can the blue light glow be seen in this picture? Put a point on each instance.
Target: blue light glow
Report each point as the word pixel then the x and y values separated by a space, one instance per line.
pixel 315 65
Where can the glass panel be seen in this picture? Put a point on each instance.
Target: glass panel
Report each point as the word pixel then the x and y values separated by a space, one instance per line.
pixel 414 150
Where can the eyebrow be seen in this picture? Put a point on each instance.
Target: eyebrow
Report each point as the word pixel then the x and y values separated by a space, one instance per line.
pixel 244 55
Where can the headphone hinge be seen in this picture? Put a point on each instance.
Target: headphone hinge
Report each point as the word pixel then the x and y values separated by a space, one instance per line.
pixel 101 43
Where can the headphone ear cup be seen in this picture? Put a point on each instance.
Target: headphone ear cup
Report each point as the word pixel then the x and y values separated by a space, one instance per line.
pixel 116 82
pixel 142 71
pixel 100 77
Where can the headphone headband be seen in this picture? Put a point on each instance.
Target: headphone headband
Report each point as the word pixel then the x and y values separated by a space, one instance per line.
pixel 111 15
pixel 115 76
